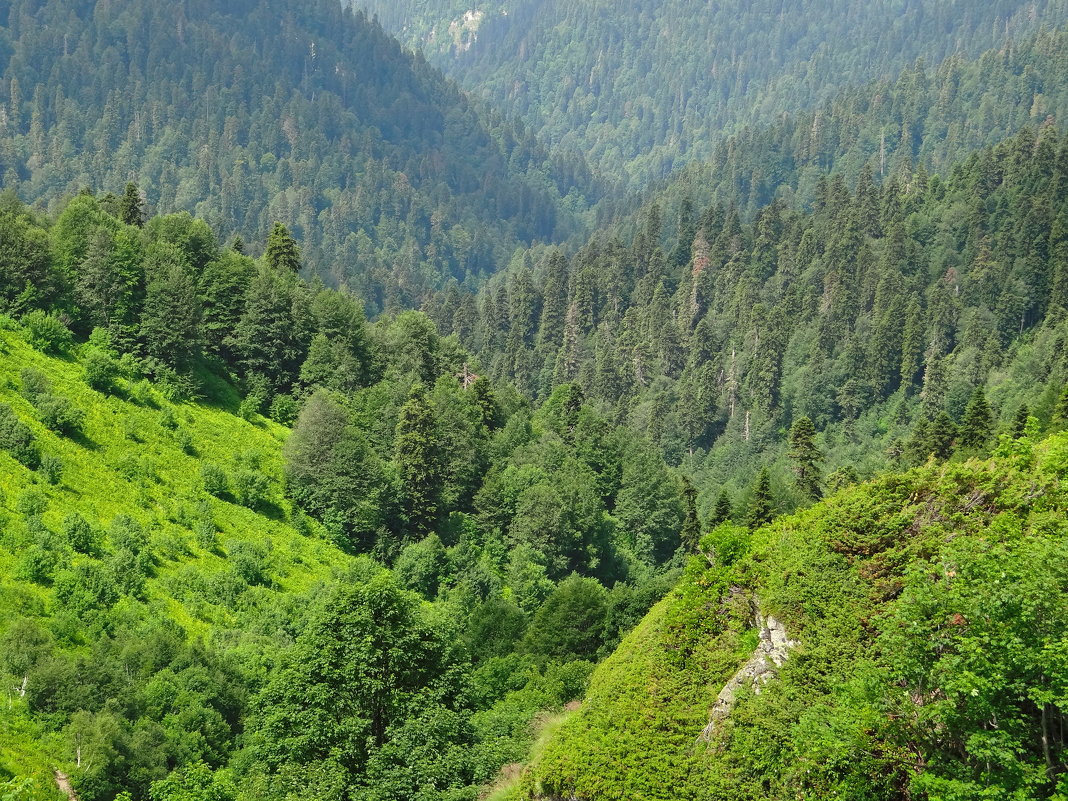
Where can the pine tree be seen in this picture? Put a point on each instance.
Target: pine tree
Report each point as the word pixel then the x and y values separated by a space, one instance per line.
pixel 941 435
pixel 418 459
pixel 1019 422
pixel 806 457
pixel 978 423
pixel 721 512
pixel 131 209
pixel 486 401
pixel 282 253
pixel 761 506
pixel 691 524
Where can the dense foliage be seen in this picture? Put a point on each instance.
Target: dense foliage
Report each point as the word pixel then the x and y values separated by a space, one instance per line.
pixel 247 112
pixel 643 88
pixel 929 610
pixel 184 612
pixel 877 315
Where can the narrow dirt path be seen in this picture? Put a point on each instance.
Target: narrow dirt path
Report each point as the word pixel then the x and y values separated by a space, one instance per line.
pixel 63 783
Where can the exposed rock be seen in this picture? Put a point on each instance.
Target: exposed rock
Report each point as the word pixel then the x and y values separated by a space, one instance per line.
pixel 770 654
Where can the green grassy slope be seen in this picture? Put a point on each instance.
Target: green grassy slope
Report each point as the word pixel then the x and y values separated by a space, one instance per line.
pixel 931 613
pixel 139 455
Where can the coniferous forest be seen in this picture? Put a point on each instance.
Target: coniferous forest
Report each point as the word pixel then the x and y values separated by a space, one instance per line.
pixel 533 401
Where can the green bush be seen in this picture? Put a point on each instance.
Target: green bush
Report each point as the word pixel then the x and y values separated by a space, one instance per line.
pixel 46 332
pixel 284 409
pixel 78 534
pixel 17 439
pixel 101 370
pixel 51 468
pixel 34 384
pixel 214 480
pixel 251 488
pixel 59 414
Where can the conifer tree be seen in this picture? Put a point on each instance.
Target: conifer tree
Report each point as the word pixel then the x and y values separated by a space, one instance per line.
pixel 282 253
pixel 941 435
pixel 418 458
pixel 978 422
pixel 131 210
pixel 761 507
pixel 691 525
pixel 1019 422
pixel 806 456
pixel 721 512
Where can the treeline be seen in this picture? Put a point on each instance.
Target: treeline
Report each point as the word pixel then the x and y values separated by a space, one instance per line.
pixel 931 116
pixel 882 307
pixel 643 90
pixel 540 537
pixel 392 180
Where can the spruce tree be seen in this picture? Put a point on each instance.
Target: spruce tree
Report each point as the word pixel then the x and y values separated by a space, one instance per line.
pixel 131 210
pixel 418 458
pixel 978 422
pixel 806 457
pixel 761 507
pixel 941 435
pixel 691 524
pixel 1019 422
pixel 282 253
pixel 721 512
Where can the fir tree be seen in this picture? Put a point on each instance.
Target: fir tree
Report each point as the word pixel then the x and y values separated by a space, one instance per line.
pixel 941 435
pixel 1019 422
pixel 418 458
pixel 282 253
pixel 691 525
pixel 806 457
pixel 761 506
pixel 131 209
pixel 721 512
pixel 978 423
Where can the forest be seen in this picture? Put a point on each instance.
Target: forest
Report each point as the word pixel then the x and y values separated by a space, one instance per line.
pixel 614 414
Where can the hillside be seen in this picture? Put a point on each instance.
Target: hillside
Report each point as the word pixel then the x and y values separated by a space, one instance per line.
pixel 644 88
pixel 882 309
pixel 927 613
pixel 249 113
pixel 257 548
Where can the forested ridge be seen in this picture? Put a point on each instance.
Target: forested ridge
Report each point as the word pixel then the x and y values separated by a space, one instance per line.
pixel 644 88
pixel 195 598
pixel 878 314
pixel 359 442
pixel 249 112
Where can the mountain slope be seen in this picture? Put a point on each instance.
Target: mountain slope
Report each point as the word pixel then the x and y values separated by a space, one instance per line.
pixel 643 88
pixel 255 112
pixel 929 616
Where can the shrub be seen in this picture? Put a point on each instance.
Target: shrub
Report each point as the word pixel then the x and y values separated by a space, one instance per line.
pixel 185 442
pixel 126 534
pixel 36 564
pixel 214 480
pixel 284 409
pixel 168 419
pixel 79 534
pixel 34 384
pixel 31 503
pixel 59 414
pixel 251 488
pixel 51 468
pixel 251 406
pixel 248 561
pixel 101 370
pixel 46 332
pixel 17 439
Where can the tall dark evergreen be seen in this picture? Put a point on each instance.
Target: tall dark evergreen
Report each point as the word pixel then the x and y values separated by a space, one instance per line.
pixel 761 504
pixel 977 425
pixel 282 253
pixel 417 453
pixel 806 457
